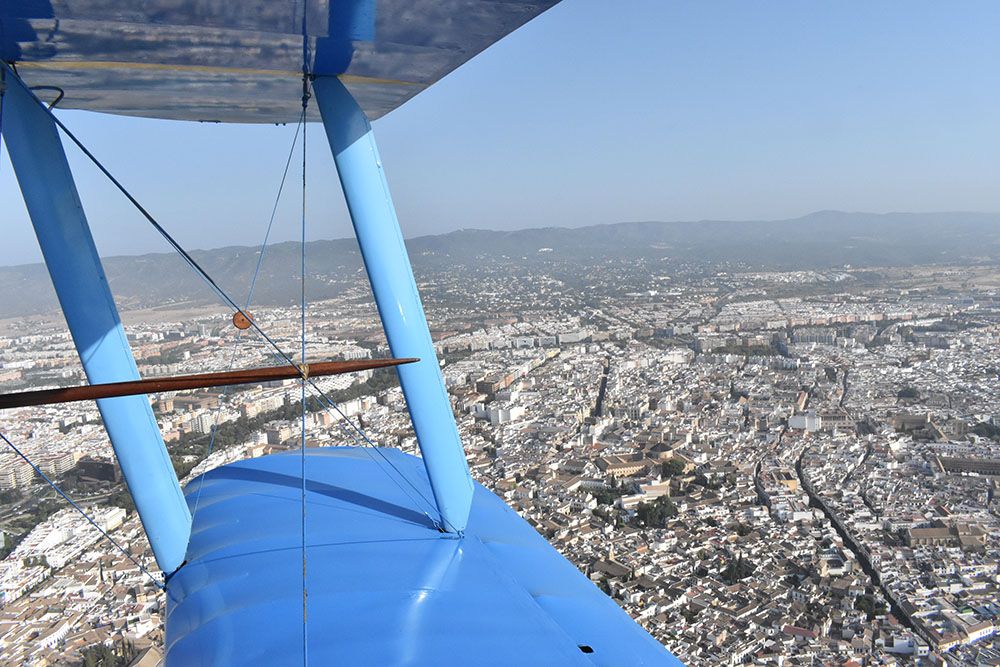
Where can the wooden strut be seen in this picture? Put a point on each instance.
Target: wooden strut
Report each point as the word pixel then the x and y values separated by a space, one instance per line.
pixel 183 382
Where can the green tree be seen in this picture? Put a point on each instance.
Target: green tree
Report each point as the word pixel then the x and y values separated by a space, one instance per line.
pixel 655 514
pixel 737 569
pixel 672 468
pixel 870 606
pixel 118 654
pixel 609 494
pixel 986 430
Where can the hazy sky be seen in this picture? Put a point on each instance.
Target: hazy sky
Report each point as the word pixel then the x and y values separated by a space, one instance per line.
pixel 602 112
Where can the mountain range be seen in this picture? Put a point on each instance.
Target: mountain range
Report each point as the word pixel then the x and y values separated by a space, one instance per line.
pixel 822 240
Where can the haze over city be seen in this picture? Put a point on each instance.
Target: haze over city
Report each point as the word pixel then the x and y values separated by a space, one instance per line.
pixel 712 301
pixel 590 115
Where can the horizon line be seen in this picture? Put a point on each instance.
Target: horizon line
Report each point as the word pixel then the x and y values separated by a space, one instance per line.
pixel 167 251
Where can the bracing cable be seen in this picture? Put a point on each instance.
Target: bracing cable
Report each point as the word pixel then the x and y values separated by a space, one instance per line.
pixel 285 357
pixel 302 381
pixel 249 300
pixel 79 509
pixel 365 444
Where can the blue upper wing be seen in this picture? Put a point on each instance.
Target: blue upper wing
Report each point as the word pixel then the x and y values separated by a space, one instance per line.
pixel 241 60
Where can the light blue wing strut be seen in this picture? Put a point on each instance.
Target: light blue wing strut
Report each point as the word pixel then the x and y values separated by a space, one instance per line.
pixel 57 215
pixel 374 216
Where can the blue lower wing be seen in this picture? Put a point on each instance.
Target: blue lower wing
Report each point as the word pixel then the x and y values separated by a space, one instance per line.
pixel 384 586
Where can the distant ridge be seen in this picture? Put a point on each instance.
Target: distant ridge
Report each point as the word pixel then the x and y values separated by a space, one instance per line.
pixel 820 240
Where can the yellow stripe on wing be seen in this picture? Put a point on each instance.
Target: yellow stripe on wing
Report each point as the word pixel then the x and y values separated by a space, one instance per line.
pixel 96 65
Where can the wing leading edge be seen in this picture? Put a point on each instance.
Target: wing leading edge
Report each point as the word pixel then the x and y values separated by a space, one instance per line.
pixel 206 60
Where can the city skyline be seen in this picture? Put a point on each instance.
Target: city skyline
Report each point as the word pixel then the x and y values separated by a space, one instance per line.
pixel 752 463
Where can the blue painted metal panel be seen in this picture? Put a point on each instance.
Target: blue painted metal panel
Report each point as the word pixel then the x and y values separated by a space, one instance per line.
pixel 381 241
pixel 46 182
pixel 241 61
pixel 385 588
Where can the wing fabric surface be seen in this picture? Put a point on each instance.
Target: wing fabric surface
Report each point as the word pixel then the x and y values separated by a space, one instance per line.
pixel 218 60
pixel 385 588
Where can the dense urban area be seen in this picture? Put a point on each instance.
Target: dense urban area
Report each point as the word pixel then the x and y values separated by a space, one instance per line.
pixel 761 467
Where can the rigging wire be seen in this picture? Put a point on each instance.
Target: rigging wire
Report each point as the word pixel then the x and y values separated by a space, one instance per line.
pixel 302 399
pixel 249 300
pixel 232 304
pixel 82 513
pixel 302 382
pixel 22 455
pixel 366 445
